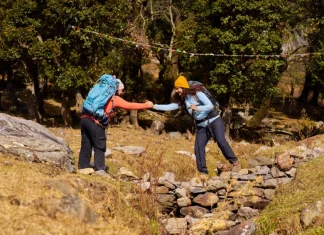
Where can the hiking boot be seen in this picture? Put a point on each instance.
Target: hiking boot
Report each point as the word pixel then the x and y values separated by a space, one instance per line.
pixel 236 166
pixel 86 171
pixel 92 165
pixel 223 167
pixel 102 173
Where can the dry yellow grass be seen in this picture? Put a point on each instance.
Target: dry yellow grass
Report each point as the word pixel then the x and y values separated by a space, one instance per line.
pixel 282 215
pixel 23 184
pixel 160 153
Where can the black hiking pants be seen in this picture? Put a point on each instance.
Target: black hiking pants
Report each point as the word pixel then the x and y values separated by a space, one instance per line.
pixel 92 136
pixel 202 137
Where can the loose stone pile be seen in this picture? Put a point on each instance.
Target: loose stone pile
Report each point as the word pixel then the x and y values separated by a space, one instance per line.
pixel 227 203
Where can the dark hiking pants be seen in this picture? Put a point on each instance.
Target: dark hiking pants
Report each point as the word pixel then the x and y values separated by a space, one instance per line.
pixel 92 136
pixel 202 137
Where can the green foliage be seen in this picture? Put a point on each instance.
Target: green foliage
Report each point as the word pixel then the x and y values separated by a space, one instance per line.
pixel 71 77
pixel 240 28
pixel 40 33
pixel 37 34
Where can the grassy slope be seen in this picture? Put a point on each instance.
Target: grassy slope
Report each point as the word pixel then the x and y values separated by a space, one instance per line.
pixel 282 215
pixel 27 182
pixel 24 183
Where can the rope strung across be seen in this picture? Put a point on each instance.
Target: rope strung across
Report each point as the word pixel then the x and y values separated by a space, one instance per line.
pixel 137 44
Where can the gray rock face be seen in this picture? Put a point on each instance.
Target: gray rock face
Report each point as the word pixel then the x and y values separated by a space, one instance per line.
pixel 70 203
pixel 194 211
pixel 184 201
pixel 260 161
pixel 311 212
pixel 208 199
pixel 167 202
pixel 126 174
pixel 285 162
pixel 134 150
pixel 34 143
pixel 157 127
pixel 176 226
pixel 246 213
pixel 247 228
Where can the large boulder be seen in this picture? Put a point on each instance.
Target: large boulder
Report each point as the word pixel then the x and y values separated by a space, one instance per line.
pixel 32 142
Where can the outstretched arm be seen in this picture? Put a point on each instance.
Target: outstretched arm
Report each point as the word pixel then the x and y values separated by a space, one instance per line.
pixel 166 107
pixel 121 103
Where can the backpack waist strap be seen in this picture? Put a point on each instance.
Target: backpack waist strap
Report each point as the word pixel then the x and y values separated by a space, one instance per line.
pixel 212 113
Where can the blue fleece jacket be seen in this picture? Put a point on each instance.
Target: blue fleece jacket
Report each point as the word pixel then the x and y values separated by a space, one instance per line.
pixel 204 107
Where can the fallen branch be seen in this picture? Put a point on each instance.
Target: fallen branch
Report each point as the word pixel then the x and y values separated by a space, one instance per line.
pixel 279 132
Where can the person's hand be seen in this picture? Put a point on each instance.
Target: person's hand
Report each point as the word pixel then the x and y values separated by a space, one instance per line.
pixel 149 104
pixel 194 107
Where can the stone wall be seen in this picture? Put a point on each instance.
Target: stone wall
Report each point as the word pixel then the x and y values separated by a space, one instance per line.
pixel 229 201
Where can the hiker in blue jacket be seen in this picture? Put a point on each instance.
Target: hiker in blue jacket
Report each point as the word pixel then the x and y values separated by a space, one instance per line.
pixel 200 107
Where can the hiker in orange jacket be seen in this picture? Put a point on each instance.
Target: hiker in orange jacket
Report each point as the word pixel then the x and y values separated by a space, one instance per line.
pixel 93 132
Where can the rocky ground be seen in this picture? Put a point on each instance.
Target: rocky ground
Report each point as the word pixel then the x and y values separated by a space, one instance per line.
pixel 156 188
pixel 158 178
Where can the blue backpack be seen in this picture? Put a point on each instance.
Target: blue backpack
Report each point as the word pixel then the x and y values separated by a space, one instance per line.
pixel 98 96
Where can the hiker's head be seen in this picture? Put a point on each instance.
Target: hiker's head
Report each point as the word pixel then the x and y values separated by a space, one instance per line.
pixel 181 84
pixel 120 88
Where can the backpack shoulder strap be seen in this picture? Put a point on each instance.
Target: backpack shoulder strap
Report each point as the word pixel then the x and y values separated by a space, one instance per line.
pixel 196 98
pixel 112 103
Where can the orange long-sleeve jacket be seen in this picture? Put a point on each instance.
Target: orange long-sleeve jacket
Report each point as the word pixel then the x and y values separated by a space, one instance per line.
pixel 118 102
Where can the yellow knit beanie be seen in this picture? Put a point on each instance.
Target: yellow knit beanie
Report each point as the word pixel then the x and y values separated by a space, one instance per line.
pixel 181 82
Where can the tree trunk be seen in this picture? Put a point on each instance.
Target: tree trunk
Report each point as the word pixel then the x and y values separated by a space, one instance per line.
pixel 32 103
pixel 10 84
pixel 39 98
pixel 256 120
pixel 79 99
pixel 39 90
pixel 314 100
pixel 35 102
pixel 65 110
pixel 174 68
pixel 133 118
pixel 171 74
pixel 8 70
pixel 227 116
pixel 306 90
pixel 11 92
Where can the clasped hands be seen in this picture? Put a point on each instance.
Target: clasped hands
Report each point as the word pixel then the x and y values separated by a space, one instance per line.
pixel 149 104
